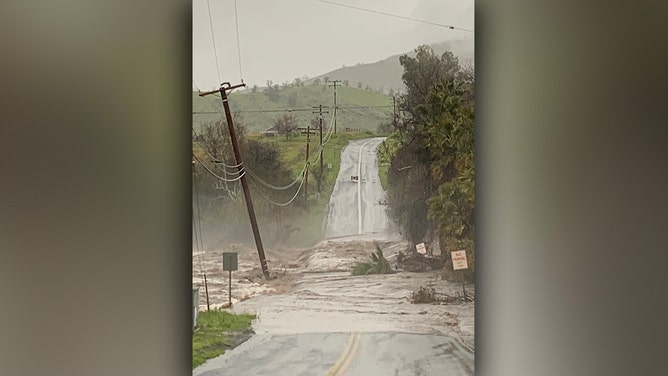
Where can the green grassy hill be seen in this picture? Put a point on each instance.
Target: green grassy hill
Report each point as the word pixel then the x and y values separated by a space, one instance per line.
pixel 358 108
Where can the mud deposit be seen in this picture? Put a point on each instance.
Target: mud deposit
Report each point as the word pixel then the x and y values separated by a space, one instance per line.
pixel 312 290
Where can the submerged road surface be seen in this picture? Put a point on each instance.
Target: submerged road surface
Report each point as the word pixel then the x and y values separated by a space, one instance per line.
pixel 355 206
pixel 332 323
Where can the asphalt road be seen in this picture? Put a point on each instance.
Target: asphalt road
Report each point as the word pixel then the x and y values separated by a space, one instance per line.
pixel 355 205
pixel 363 354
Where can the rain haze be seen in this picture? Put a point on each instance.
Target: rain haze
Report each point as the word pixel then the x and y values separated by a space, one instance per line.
pixel 326 233
pixel 281 40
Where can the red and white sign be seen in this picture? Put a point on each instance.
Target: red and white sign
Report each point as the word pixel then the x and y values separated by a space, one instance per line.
pixel 459 260
pixel 421 248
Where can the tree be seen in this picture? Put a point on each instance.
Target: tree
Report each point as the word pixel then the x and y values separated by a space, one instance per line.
pixel 423 74
pixel 286 125
pixel 221 201
pixel 431 176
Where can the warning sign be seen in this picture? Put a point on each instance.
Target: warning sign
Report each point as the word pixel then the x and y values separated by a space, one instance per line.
pixel 421 248
pixel 459 260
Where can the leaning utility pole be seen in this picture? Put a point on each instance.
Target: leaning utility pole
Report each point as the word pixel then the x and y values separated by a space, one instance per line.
pixel 224 87
pixel 320 112
pixel 334 83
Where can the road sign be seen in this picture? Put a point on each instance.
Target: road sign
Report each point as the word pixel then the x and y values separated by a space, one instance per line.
pixel 459 260
pixel 421 248
pixel 230 261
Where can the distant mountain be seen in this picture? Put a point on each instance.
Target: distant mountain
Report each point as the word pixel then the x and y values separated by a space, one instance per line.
pixel 386 74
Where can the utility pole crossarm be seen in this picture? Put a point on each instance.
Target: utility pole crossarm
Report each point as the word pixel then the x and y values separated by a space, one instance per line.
pixel 225 86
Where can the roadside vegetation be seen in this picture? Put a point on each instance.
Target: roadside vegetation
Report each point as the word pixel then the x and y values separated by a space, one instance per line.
pixel 428 295
pixel 377 265
pixel 214 332
pixel 277 160
pixel 430 179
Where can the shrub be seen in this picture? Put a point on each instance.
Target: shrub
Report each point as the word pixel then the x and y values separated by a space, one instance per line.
pixel 377 265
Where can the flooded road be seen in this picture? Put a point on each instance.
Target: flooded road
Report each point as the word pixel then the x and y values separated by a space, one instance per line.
pixel 355 206
pixel 307 316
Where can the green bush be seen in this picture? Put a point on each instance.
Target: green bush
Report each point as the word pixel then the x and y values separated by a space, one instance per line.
pixel 377 265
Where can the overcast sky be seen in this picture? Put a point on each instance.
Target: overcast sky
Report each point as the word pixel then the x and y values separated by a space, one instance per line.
pixel 284 39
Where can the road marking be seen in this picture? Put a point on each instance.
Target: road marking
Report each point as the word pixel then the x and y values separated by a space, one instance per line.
pixel 352 354
pixel 359 190
pixel 347 356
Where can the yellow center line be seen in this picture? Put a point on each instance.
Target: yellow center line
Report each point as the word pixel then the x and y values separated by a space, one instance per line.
pixel 351 355
pixel 346 357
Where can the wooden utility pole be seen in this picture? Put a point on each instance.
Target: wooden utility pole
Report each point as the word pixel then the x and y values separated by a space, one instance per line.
pixel 224 87
pixel 308 141
pixel 320 112
pixel 308 165
pixel 334 83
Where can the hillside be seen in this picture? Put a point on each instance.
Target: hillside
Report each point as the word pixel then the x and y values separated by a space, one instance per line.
pixel 260 109
pixel 386 74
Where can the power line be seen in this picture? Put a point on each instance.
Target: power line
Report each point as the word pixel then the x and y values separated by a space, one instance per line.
pixel 255 111
pixel 395 16
pixel 198 238
pixel 281 204
pixel 215 159
pixel 277 188
pixel 213 39
pixel 242 174
pixel 363 107
pixel 288 110
pixel 252 174
pixel 236 23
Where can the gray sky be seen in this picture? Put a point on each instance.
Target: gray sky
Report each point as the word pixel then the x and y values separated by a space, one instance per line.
pixel 284 39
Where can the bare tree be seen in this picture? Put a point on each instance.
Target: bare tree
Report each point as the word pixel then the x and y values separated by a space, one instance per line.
pixel 286 125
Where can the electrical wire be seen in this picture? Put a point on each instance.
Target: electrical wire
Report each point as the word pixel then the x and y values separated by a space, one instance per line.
pixel 251 173
pixel 281 204
pixel 254 111
pixel 395 16
pixel 214 159
pixel 213 39
pixel 236 23
pixel 243 173
pixel 198 238
pixel 282 188
pixel 361 107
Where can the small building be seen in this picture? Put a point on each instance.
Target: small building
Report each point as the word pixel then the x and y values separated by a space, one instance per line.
pixel 271 132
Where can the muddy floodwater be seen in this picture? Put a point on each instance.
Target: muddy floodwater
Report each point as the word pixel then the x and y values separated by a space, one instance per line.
pixel 313 290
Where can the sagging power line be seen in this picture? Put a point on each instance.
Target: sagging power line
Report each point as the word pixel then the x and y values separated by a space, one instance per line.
pixel 395 16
